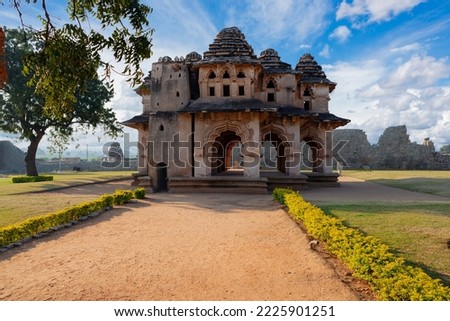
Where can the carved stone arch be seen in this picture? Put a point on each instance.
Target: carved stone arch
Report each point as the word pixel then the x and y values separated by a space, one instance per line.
pixel 279 130
pixel 240 73
pixel 219 141
pixel 225 73
pixel 310 134
pixel 271 83
pixel 239 128
pixel 279 140
pixel 211 74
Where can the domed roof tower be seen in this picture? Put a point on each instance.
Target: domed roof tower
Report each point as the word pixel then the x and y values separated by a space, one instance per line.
pixel 272 62
pixel 230 44
pixel 312 72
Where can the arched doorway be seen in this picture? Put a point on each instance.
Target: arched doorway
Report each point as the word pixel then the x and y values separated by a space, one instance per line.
pixel 226 156
pixel 161 175
pixel 274 152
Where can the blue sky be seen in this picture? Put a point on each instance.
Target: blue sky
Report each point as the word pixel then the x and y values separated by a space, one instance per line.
pixel 389 58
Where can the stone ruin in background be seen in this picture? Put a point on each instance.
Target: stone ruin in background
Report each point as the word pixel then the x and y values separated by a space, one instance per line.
pixel 393 151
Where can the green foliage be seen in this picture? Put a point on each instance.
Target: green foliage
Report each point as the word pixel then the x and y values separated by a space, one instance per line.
pixel 139 193
pixel 69 56
pixel 279 193
pixel 35 225
pixel 31 179
pixel 122 196
pixel 23 111
pixel 369 259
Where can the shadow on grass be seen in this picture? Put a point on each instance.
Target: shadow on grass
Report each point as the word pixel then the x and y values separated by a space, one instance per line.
pixel 435 186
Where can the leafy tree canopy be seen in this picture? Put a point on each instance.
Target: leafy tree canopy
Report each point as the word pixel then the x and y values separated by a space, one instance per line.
pixel 22 108
pixel 70 56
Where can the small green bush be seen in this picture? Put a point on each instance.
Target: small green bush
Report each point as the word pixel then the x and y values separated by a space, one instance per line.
pixel 369 258
pixel 278 194
pixel 139 193
pixel 31 179
pixel 122 196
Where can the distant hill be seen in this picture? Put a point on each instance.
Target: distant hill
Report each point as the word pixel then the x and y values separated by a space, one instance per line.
pixel 11 158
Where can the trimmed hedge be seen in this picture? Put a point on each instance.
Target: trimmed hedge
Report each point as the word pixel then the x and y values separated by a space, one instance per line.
pixel 35 225
pixel 139 193
pixel 31 179
pixel 122 196
pixel 390 277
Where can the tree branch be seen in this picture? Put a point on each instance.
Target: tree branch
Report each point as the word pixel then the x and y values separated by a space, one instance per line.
pixel 17 6
pixel 49 24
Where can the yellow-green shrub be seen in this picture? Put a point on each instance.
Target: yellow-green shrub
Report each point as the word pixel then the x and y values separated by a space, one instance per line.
pixel 122 196
pixel 31 179
pixel 35 225
pixel 139 193
pixel 369 259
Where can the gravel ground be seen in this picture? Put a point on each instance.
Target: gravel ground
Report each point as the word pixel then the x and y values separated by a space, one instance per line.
pixel 178 247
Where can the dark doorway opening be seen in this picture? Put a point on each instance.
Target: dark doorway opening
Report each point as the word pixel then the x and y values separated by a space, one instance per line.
pixel 227 158
pixel 161 174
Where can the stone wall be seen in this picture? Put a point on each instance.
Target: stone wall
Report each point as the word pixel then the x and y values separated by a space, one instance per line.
pixel 394 150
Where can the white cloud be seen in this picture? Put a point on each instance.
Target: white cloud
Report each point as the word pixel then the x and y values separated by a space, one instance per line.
pixel 180 27
pixel 273 21
pixel 367 11
pixel 407 48
pixel 325 52
pixel 374 91
pixel 304 46
pixel 341 34
pixel 386 9
pixel 419 71
pixel 376 94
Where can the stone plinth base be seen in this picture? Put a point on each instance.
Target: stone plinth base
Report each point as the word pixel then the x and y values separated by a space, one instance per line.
pixel 281 180
pixel 218 184
pixel 322 179
pixel 141 180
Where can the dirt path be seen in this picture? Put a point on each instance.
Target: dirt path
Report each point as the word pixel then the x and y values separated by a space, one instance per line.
pixel 176 247
pixel 189 247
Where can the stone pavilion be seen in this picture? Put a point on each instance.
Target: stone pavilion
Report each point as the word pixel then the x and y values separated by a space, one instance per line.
pixel 233 121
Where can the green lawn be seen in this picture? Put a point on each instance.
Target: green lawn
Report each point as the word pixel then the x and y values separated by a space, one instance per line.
pixel 20 201
pixel 432 182
pixel 60 180
pixel 416 231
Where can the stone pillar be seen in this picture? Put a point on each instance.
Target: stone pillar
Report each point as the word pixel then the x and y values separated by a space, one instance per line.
pixel 142 165
pixel 201 170
pixel 252 151
pixel 293 158
pixel 293 153
pixel 326 153
pixel 202 165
